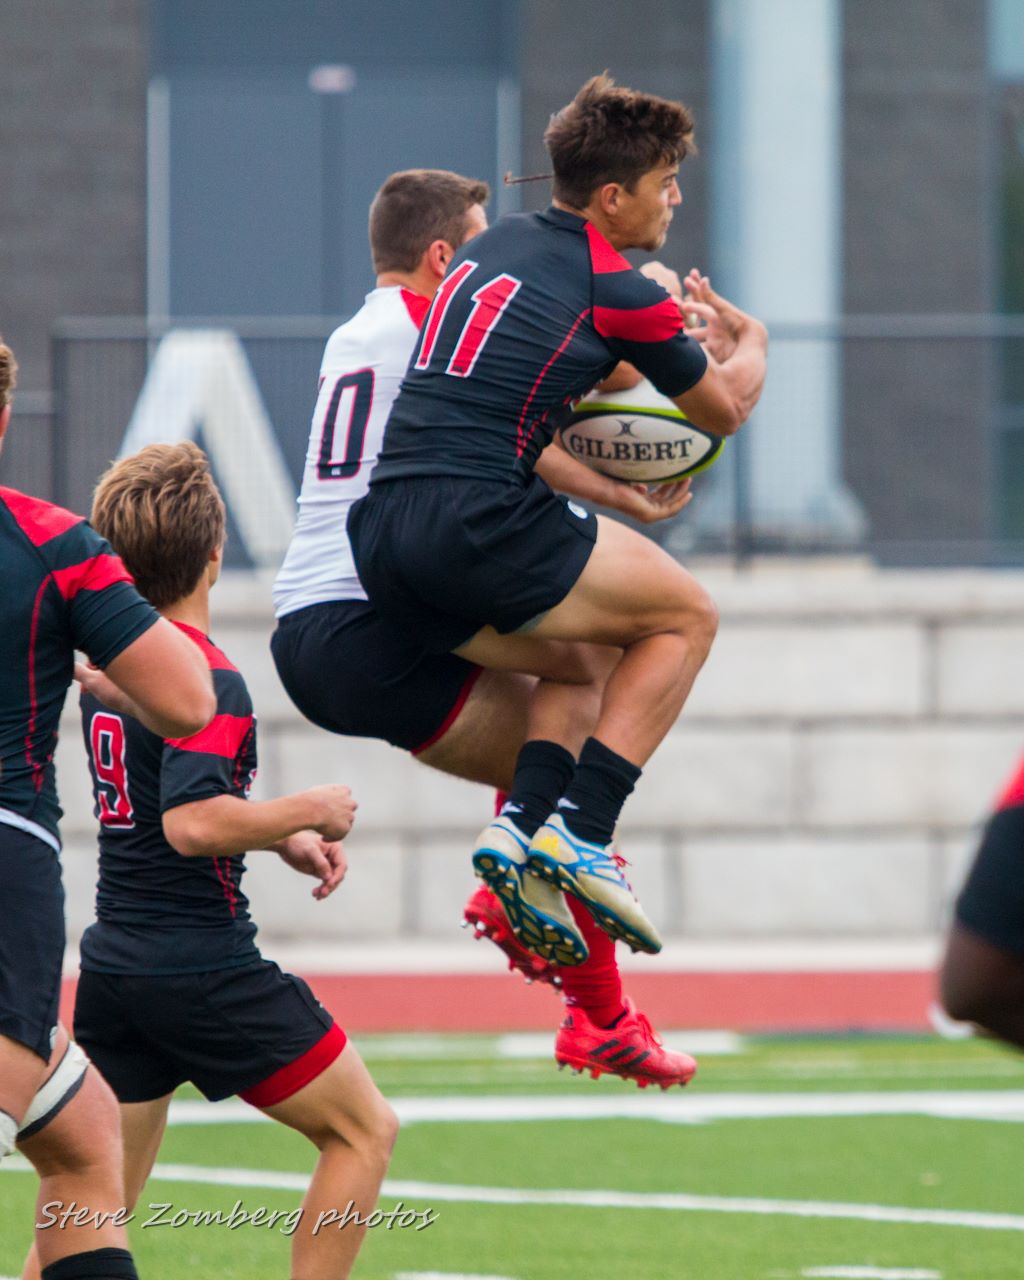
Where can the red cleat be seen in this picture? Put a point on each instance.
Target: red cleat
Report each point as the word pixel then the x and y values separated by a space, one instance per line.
pixel 631 1049
pixel 484 912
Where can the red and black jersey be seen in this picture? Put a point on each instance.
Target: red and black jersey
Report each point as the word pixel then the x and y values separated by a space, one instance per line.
pixel 530 316
pixel 158 911
pixel 1012 795
pixel 64 589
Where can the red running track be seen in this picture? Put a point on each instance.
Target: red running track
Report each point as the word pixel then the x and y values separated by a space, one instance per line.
pixel 750 1002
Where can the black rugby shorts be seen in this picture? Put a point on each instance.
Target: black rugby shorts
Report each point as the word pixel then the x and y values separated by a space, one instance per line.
pixel 31 939
pixel 350 671
pixel 991 903
pixel 227 1031
pixel 441 556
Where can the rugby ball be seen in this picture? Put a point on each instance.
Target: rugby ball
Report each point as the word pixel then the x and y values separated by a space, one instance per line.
pixel 639 436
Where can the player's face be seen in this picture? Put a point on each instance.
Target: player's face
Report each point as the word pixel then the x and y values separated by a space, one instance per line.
pixel 645 212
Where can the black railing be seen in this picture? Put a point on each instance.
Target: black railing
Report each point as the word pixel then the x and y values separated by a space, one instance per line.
pixel 897 437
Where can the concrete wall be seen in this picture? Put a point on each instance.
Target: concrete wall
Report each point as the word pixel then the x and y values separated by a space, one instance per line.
pixel 840 747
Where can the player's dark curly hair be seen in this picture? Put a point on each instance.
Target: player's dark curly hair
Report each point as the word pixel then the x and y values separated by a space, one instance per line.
pixel 612 134
pixel 162 513
pixel 8 374
pixel 416 207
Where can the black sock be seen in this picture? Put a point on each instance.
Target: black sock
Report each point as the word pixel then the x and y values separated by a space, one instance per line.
pixel 543 771
pixel 593 800
pixel 98 1264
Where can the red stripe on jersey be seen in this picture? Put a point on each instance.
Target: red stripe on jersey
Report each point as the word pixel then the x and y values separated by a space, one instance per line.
pixel 38 770
pixel 1013 793
pixel 90 575
pixel 416 305
pixel 217 660
pixel 290 1079
pixel 642 324
pixel 224 876
pixel 39 521
pixel 223 736
pixel 603 258
pixel 523 438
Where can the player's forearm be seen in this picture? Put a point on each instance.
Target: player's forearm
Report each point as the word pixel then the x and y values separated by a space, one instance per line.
pixel 725 396
pixel 745 370
pixel 566 474
pixel 226 825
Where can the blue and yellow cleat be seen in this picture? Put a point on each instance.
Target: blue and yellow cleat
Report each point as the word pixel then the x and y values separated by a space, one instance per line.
pixel 593 874
pixel 537 913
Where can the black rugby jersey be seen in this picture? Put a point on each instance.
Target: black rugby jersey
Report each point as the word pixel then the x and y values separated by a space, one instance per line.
pixel 530 316
pixel 158 911
pixel 64 589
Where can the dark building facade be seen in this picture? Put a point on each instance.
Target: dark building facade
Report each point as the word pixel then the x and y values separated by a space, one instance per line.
pixel 173 157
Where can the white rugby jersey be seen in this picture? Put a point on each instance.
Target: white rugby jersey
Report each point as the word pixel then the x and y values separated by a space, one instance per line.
pixel 364 363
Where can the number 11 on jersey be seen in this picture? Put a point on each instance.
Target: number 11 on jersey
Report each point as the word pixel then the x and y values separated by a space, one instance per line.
pixel 489 303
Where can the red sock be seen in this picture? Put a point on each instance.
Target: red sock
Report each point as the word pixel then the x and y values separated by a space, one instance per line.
pixel 499 801
pixel 596 984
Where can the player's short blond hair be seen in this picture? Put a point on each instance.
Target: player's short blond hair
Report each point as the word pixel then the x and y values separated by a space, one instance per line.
pixel 163 514
pixel 612 134
pixel 416 207
pixel 8 374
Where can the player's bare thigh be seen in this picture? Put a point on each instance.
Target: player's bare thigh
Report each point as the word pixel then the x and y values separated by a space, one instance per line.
pixel 629 589
pixel 21 1073
pixel 485 738
pixel 483 742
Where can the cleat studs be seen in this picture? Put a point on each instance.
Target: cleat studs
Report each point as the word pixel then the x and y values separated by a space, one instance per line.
pixel 594 1073
pixel 577 1071
pixel 464 924
pixel 529 982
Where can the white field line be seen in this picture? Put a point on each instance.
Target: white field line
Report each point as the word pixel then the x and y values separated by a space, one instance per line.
pixel 676 1108
pixel 520 1045
pixel 705 1044
pixel 872 1273
pixel 666 1201
pixel 438 1275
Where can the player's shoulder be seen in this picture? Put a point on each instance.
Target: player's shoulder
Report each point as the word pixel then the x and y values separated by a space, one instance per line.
pixel 216 658
pixel 40 521
pixel 384 328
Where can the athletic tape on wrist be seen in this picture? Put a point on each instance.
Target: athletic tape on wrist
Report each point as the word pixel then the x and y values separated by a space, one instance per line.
pixel 56 1092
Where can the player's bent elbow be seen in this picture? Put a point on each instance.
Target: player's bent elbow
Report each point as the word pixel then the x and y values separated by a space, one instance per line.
pixel 727 422
pixel 187 716
pixel 185 834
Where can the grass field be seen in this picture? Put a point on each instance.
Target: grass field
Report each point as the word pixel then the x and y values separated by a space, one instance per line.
pixel 892 1158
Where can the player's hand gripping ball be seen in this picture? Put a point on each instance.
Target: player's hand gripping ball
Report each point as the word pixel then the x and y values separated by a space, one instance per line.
pixel 638 436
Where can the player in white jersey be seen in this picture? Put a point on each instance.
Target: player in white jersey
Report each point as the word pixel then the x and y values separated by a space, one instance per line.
pixel 351 672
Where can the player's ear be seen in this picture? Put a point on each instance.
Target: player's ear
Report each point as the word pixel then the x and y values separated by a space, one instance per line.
pixel 216 564
pixel 609 198
pixel 5 419
pixel 439 254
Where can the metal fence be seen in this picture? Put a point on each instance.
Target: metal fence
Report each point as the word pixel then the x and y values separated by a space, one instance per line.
pixel 901 438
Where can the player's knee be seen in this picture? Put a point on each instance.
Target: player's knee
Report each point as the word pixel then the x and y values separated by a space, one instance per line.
pixel 386 1131
pixel 373 1132
pixel 591 663
pixel 84 1138
pixel 380 1133
pixel 697 616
